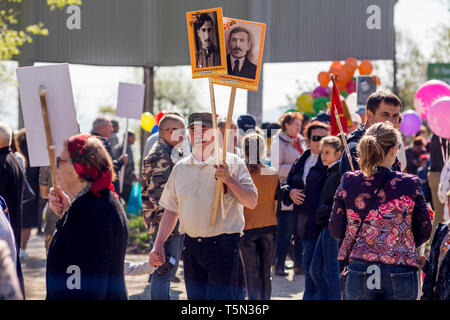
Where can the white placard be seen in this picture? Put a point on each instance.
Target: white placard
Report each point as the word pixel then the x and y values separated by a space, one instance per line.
pixel 130 100
pixel 60 108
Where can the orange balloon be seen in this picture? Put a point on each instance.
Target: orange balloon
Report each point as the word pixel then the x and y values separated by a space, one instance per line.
pixel 352 62
pixel 365 67
pixel 377 79
pixel 349 69
pixel 336 66
pixel 343 77
pixel 324 78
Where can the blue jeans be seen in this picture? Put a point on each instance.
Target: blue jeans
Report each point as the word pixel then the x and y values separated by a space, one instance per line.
pixel 160 284
pixel 395 282
pixel 287 221
pixel 324 268
pixel 310 292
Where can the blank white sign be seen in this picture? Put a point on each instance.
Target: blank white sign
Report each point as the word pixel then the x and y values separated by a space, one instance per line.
pixel 60 108
pixel 130 100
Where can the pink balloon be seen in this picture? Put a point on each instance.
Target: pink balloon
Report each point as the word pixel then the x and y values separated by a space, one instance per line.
pixel 321 92
pixel 351 86
pixel 427 94
pixel 439 117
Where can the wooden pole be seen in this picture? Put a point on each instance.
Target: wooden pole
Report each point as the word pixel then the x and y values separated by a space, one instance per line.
pixel 48 135
pixel 217 153
pixel 124 150
pixel 344 140
pixel 225 145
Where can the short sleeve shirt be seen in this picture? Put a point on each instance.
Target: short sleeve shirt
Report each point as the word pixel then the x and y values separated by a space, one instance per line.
pixel 190 190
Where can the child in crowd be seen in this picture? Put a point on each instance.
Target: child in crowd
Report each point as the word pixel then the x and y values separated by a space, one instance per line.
pixel 138 269
pixel 324 264
pixel 436 285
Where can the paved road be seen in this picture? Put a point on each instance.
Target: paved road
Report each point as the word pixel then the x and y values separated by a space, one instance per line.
pixel 283 288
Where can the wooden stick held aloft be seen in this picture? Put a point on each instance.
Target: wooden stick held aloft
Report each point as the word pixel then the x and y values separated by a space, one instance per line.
pixel 48 135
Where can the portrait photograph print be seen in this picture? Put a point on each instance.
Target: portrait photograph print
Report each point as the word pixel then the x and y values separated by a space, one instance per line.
pixel 366 85
pixel 244 45
pixel 206 42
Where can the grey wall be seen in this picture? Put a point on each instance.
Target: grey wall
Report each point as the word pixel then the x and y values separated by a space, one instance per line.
pixel 153 32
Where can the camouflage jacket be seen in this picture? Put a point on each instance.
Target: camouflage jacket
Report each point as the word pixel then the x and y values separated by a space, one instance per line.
pixel 156 169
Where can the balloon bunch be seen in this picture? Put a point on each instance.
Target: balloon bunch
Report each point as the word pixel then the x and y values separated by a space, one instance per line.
pixel 432 102
pixel 150 123
pixel 311 103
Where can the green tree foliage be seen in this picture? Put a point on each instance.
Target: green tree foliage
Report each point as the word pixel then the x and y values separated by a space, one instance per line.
pixel 441 49
pixel 173 92
pixel 12 37
pixel 411 69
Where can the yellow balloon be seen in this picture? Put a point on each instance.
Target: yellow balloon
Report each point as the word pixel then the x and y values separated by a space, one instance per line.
pixel 305 103
pixel 147 121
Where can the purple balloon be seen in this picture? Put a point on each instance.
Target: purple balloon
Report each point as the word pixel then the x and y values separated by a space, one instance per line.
pixel 411 123
pixel 321 92
pixel 427 94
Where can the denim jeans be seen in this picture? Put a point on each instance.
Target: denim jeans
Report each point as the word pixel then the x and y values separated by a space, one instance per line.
pixel 160 284
pixel 324 268
pixel 287 221
pixel 395 282
pixel 310 292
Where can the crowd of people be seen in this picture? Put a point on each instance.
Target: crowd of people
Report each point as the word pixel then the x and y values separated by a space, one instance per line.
pixel 362 215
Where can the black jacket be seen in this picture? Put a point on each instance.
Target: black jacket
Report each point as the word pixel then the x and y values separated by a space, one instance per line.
pixel 431 289
pixel 327 197
pixel 91 237
pixel 248 69
pixel 11 189
pixel 352 142
pixel 314 184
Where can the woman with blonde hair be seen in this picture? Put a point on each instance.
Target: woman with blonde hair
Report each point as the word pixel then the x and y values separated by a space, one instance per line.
pixel 381 216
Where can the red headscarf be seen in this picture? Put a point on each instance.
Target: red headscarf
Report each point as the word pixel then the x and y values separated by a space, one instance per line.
pixel 100 180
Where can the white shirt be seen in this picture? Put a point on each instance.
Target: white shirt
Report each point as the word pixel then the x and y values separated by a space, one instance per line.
pixel 309 163
pixel 190 190
pixel 241 62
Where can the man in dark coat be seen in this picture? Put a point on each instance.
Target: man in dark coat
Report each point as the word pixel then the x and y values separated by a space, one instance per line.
pixel 381 106
pixel 238 63
pixel 11 187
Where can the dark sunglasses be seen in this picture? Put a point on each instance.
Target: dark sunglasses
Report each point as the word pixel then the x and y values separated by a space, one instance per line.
pixel 317 138
pixel 59 161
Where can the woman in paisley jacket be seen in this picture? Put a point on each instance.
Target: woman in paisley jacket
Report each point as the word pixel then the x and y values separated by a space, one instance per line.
pixel 383 263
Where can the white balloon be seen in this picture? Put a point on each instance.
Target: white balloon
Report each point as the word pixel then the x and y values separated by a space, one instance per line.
pixel 351 102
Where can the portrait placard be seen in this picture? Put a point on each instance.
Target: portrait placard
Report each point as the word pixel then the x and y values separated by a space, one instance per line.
pixel 366 85
pixel 206 42
pixel 60 109
pixel 244 44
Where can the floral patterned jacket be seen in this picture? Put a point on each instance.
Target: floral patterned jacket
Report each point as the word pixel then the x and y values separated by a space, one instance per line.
pixel 397 222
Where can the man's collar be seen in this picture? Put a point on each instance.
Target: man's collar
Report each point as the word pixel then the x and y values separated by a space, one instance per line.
pixel 194 161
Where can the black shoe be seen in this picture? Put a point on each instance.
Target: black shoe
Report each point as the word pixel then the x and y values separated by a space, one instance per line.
pixel 281 272
pixel 298 270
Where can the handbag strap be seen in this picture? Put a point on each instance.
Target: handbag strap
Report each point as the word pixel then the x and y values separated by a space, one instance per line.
pixel 364 215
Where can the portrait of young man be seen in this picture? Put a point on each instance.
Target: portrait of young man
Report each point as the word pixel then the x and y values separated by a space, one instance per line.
pixel 207 41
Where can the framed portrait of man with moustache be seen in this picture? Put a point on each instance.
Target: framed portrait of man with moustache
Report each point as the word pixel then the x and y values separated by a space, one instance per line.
pixel 206 42
pixel 244 44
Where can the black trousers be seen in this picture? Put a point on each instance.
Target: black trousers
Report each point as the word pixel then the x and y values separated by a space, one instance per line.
pixel 257 254
pixel 210 266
